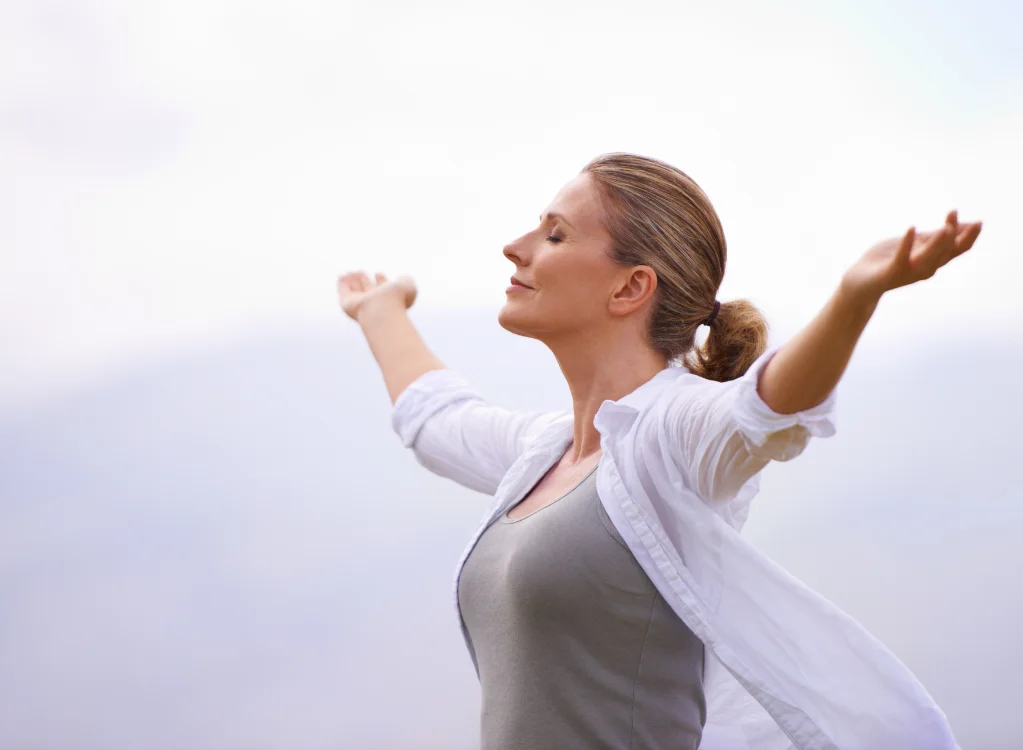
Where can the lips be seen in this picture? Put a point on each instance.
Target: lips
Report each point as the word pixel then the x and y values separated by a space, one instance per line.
pixel 516 282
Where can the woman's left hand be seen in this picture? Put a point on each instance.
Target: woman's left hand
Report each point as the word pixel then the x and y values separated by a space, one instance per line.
pixel 898 261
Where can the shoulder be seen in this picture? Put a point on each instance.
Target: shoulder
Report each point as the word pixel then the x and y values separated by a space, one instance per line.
pixel 678 389
pixel 675 389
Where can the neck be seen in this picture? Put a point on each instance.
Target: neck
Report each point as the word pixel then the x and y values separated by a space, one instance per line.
pixel 596 372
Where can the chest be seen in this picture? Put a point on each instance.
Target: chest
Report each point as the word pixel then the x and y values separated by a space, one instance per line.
pixel 555 484
pixel 552 563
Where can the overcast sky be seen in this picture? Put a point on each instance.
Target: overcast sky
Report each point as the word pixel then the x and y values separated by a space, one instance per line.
pixel 191 462
pixel 176 173
pixel 233 550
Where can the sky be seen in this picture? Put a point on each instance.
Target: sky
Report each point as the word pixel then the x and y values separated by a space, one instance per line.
pixel 177 174
pixel 233 550
pixel 193 437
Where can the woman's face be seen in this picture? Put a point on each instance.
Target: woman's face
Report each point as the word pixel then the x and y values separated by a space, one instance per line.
pixel 572 286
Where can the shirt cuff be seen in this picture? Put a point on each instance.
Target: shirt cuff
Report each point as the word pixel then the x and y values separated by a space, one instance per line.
pixel 424 397
pixel 759 422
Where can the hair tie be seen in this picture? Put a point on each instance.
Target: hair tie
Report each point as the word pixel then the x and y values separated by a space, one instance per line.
pixel 710 321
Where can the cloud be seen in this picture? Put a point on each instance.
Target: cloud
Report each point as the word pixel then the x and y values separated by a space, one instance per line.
pixel 188 172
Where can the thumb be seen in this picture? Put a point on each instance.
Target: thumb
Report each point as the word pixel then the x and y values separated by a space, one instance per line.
pixel 409 285
pixel 381 279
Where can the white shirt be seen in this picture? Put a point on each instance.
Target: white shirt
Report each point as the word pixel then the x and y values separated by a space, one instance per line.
pixel 680 463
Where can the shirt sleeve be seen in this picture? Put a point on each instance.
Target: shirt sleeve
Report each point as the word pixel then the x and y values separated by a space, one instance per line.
pixel 721 434
pixel 456 434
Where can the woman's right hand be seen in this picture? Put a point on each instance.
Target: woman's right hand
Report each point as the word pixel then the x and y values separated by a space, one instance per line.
pixel 356 288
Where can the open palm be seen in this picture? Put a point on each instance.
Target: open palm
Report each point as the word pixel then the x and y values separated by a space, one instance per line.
pixel 901 261
pixel 356 288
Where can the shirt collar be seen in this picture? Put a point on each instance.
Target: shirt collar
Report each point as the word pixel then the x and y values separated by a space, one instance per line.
pixel 612 415
pixel 643 394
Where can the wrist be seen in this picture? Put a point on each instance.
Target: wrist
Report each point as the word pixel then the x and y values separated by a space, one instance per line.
pixel 855 296
pixel 379 305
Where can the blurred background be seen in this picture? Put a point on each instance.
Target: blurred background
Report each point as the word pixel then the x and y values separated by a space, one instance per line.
pixel 209 535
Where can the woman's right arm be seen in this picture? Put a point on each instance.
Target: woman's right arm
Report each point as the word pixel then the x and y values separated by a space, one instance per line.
pixel 396 344
pixel 451 429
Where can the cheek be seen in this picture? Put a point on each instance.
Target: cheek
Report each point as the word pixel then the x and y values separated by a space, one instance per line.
pixel 578 289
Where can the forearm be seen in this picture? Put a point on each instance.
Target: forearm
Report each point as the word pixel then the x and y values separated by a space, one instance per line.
pixel 806 369
pixel 396 344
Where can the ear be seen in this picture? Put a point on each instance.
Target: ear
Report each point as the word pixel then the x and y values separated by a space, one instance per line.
pixel 633 289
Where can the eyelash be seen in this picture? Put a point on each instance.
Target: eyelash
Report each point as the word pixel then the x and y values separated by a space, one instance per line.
pixel 552 238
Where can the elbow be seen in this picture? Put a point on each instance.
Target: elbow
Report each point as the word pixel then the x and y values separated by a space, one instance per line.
pixel 721 477
pixel 781 445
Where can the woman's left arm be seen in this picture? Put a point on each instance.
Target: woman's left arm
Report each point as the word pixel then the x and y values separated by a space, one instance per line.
pixel 722 434
pixel 807 368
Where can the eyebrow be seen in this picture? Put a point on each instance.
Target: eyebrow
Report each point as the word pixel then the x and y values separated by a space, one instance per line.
pixel 553 215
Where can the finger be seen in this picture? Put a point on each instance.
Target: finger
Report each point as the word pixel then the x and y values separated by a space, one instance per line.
pixel 929 257
pixel 360 281
pixel 947 246
pixel 951 218
pixel 905 245
pixel 952 227
pixel 381 279
pixel 966 238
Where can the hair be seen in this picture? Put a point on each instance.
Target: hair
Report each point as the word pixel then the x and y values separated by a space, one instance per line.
pixel 659 217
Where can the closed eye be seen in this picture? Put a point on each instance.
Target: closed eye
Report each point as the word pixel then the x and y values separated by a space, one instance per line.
pixel 554 239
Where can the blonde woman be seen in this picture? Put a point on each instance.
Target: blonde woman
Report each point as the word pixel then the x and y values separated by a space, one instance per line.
pixel 607 599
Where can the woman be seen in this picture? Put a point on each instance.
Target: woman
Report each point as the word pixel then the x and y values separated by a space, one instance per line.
pixel 607 599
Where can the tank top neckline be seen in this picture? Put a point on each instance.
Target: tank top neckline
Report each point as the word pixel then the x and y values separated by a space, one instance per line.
pixel 504 516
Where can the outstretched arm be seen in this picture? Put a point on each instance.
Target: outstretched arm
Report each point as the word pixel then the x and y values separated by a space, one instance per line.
pixel 807 368
pixel 452 430
pixel 721 434
pixel 380 308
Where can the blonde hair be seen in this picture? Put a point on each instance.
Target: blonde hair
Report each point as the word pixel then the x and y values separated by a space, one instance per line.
pixel 659 217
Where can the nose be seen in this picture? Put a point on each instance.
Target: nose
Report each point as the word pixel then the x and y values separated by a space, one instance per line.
pixel 517 252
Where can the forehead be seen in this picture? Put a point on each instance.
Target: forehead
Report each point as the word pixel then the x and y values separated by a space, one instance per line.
pixel 579 202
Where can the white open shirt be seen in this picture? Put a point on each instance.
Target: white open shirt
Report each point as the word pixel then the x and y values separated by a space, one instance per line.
pixel 681 460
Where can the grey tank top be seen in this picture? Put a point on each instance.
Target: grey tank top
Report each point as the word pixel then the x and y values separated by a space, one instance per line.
pixel 575 647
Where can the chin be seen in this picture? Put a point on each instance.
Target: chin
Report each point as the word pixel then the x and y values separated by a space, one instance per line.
pixel 513 321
